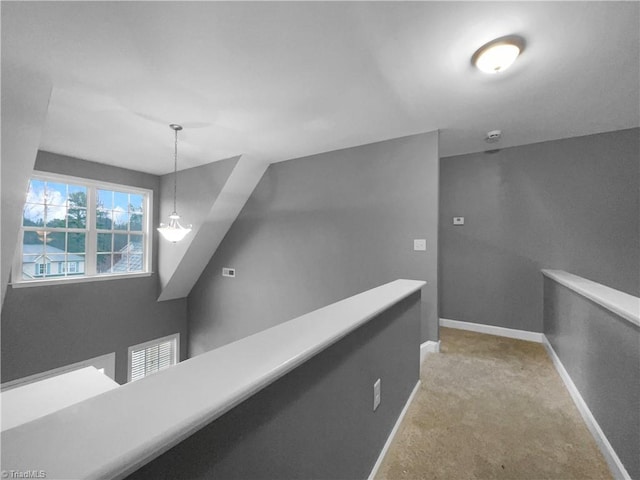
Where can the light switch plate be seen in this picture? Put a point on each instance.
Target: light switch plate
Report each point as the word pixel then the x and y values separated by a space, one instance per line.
pixel 458 220
pixel 228 272
pixel 420 244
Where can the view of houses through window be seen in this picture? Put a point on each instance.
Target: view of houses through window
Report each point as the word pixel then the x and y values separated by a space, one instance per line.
pixel 75 228
pixel 119 227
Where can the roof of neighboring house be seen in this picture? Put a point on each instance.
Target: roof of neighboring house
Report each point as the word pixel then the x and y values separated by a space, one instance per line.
pixel 53 254
pixel 131 260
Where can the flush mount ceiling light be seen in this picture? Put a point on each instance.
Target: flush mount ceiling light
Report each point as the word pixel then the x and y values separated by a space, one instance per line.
pixel 498 55
pixel 174 232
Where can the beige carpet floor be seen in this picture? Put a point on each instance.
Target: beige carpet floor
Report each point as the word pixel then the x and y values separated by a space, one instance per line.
pixel 492 408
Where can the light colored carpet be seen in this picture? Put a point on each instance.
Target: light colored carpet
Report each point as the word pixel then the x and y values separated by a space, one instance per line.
pixel 492 408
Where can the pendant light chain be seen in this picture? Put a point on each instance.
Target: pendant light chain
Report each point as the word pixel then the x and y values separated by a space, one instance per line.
pixel 175 170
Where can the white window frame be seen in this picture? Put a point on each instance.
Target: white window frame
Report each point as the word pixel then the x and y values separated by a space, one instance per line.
pixel 90 273
pixel 176 351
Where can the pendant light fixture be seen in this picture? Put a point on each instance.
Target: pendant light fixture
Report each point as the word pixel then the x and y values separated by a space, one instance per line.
pixel 174 232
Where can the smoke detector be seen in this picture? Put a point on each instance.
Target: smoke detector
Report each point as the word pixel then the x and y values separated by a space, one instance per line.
pixel 493 136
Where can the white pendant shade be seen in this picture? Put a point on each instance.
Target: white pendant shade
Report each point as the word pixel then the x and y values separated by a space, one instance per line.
pixel 174 232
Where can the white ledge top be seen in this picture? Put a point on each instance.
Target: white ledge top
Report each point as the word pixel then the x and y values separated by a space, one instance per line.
pixel 113 434
pixel 622 304
pixel 28 402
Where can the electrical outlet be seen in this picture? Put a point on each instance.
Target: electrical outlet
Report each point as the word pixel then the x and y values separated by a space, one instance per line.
pixel 376 395
pixel 458 220
pixel 228 272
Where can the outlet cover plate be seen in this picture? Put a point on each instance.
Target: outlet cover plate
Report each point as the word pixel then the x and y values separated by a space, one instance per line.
pixel 458 220
pixel 420 244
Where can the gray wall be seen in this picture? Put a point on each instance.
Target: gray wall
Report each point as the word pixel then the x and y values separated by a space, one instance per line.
pixel 51 326
pixel 600 352
pixel 569 204
pixel 197 190
pixel 317 422
pixel 319 229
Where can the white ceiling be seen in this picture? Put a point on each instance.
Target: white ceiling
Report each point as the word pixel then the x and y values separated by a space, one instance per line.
pixel 276 81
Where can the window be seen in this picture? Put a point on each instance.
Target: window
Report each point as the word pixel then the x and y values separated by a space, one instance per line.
pixel 150 357
pixel 74 228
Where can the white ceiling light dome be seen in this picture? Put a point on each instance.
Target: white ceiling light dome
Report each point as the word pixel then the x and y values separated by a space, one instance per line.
pixel 499 54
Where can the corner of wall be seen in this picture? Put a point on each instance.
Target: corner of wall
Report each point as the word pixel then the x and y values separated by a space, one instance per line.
pixel 216 193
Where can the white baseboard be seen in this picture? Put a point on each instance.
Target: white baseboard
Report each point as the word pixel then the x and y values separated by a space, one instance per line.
pixel 493 330
pixel 428 347
pixel 615 465
pixel 387 444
